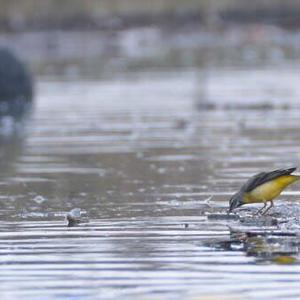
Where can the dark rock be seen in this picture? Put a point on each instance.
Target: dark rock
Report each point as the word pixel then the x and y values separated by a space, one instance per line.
pixel 16 88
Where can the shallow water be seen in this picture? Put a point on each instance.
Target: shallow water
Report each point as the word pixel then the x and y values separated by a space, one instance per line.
pixel 147 169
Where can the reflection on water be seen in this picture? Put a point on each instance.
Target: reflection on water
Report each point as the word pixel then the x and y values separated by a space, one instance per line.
pixel 265 244
pixel 146 168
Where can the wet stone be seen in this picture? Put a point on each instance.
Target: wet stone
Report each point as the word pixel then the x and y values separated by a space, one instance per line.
pixel 222 216
pixel 259 221
pixel 243 234
pixel 272 233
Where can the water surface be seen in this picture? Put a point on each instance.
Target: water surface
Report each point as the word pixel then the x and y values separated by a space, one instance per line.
pixel 146 167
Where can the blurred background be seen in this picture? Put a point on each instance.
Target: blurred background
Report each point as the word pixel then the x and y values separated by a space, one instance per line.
pixel 69 37
pixel 109 38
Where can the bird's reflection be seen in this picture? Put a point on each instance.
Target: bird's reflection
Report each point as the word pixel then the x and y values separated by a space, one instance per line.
pixel 266 246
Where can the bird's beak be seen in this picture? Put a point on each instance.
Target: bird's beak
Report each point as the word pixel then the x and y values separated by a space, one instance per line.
pixel 233 205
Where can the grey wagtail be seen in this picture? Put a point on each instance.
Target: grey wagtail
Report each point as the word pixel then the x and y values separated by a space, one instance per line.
pixel 263 187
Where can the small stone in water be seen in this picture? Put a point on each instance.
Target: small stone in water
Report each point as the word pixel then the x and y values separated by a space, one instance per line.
pixel 74 217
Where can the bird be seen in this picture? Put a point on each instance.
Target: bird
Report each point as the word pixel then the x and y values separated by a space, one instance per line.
pixel 262 188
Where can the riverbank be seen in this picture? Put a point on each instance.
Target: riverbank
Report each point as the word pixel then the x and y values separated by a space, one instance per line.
pixel 123 14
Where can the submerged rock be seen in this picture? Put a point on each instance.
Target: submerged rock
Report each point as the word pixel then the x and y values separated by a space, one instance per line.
pixel 16 87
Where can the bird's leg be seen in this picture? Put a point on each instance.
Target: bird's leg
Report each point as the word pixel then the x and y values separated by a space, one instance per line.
pixel 272 205
pixel 261 209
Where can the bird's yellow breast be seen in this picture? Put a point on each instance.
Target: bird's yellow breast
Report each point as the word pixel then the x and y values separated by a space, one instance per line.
pixel 269 190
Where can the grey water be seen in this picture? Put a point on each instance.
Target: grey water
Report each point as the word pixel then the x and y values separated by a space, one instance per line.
pixel 149 168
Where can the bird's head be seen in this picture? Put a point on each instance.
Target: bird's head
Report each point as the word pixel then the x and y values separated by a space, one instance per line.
pixel 235 201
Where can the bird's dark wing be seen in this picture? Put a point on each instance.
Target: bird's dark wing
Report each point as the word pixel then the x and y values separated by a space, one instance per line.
pixel 264 177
